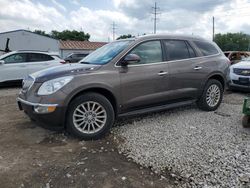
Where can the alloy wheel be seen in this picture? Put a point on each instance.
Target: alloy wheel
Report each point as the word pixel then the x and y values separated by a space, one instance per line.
pixel 89 117
pixel 213 95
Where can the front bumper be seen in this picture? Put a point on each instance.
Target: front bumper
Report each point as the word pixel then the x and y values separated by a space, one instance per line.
pixel 48 119
pixel 239 82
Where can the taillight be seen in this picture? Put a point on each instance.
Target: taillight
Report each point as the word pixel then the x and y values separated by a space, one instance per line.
pixel 63 62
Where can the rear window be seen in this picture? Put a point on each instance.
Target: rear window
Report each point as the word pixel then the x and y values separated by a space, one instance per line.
pixel 177 50
pixel 206 48
pixel 35 57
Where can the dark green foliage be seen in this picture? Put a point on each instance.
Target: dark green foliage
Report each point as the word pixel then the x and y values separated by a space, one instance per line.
pixel 233 41
pixel 65 35
pixel 125 36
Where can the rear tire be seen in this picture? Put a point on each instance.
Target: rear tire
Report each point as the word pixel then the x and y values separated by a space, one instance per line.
pixel 212 96
pixel 90 116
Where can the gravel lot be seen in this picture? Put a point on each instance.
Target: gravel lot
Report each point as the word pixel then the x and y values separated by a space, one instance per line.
pixel 199 149
pixel 186 147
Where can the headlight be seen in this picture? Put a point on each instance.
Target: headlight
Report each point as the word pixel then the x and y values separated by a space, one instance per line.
pixel 54 85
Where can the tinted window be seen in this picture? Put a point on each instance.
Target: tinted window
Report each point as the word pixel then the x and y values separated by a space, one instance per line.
pixel 191 51
pixel 149 52
pixel 15 58
pixel 206 48
pixel 81 55
pixel 176 49
pixel 34 57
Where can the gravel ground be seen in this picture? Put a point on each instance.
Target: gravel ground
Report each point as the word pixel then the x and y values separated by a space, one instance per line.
pixel 196 148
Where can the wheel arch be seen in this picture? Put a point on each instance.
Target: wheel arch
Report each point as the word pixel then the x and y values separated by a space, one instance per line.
pixel 100 90
pixel 218 76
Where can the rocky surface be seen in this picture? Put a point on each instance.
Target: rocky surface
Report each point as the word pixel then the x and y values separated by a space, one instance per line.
pixel 196 148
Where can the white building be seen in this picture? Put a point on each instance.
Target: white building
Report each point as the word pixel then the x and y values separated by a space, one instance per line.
pixel 27 40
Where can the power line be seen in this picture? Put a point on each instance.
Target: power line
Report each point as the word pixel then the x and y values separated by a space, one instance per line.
pixel 114 27
pixel 155 13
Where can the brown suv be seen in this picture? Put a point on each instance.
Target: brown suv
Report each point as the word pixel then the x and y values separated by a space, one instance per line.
pixel 126 77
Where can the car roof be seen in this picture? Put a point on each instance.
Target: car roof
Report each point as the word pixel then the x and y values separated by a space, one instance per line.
pixel 25 51
pixel 167 36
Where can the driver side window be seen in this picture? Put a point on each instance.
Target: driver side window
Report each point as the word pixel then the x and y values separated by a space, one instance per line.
pixel 149 52
pixel 15 58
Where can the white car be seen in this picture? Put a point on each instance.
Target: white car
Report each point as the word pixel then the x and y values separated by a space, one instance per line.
pixel 239 76
pixel 15 66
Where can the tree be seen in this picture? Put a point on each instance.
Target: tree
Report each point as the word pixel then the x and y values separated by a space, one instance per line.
pixel 65 35
pixel 40 32
pixel 70 35
pixel 125 36
pixel 233 41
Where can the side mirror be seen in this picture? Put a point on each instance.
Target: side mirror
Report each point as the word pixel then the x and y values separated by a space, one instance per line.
pixel 2 62
pixel 130 58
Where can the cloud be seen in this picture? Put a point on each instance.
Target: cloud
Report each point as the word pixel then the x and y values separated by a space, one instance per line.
pixel 139 10
pixel 131 16
pixel 60 6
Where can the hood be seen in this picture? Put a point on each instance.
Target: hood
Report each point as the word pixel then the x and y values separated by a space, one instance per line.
pixel 63 70
pixel 242 64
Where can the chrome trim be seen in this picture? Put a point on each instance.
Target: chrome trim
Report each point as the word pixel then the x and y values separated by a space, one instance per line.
pixel 164 62
pixel 34 104
pixel 162 73
pixel 197 68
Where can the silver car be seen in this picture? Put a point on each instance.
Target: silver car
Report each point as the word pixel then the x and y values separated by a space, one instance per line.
pixel 239 76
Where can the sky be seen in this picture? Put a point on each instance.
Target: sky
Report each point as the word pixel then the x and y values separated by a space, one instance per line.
pixel 191 17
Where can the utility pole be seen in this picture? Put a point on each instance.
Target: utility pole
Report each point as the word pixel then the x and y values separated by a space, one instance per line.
pixel 114 27
pixel 155 13
pixel 213 28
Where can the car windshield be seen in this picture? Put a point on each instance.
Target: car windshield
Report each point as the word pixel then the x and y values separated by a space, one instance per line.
pixel 106 53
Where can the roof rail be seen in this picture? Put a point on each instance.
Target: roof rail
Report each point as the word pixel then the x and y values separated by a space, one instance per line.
pixel 32 50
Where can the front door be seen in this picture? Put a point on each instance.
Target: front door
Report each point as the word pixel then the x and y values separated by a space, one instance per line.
pixel 14 67
pixel 144 83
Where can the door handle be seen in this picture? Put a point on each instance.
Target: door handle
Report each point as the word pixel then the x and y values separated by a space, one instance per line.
pixel 197 68
pixel 162 73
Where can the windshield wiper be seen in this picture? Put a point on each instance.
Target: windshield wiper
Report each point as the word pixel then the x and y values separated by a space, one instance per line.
pixel 84 62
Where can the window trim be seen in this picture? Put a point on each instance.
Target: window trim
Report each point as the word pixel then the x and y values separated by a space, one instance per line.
pixel 185 42
pixel 199 56
pixel 118 63
pixel 26 58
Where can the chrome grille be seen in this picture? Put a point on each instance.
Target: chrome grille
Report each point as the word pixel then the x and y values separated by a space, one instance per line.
pixel 243 72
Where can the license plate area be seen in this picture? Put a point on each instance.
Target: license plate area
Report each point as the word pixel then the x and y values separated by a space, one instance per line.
pixel 244 81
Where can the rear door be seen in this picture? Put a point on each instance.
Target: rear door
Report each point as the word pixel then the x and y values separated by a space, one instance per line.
pixel 185 70
pixel 144 83
pixel 14 68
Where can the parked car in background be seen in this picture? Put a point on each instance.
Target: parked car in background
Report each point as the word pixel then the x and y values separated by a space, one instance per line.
pixel 239 76
pixel 126 77
pixel 75 57
pixel 14 66
pixel 236 56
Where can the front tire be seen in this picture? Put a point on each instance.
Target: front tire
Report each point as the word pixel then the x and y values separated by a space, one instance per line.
pixel 212 96
pixel 90 116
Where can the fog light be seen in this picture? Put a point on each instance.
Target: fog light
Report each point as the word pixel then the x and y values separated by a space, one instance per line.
pixel 44 109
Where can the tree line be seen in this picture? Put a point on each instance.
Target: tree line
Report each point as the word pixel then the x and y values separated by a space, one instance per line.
pixel 233 41
pixel 227 42
pixel 65 35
